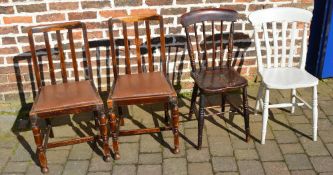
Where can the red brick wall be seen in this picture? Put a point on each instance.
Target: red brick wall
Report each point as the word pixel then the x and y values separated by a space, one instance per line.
pixel 16 15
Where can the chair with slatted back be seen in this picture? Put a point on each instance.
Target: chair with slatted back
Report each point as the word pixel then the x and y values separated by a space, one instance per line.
pixel 288 71
pixel 72 96
pixel 214 78
pixel 140 86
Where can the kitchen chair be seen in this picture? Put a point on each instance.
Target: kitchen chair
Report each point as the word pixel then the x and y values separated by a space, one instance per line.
pixel 73 95
pixel 139 85
pixel 284 71
pixel 210 76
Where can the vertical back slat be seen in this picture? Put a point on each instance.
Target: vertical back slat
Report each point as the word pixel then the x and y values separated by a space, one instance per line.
pixel 62 57
pixel 127 54
pixel 230 44
pixel 284 43
pixel 258 48
pixel 150 52
pixel 71 43
pixel 113 50
pixel 87 51
pixel 137 43
pixel 221 45
pixel 190 49
pixel 197 43
pixel 304 46
pixel 49 57
pixel 204 59
pixel 268 46
pixel 34 59
pixel 292 44
pixel 276 47
pixel 162 45
pixel 213 44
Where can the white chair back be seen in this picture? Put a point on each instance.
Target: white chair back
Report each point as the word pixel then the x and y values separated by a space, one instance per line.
pixel 269 23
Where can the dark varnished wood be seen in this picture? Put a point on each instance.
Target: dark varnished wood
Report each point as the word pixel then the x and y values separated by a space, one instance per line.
pixel 211 78
pixel 144 87
pixel 47 104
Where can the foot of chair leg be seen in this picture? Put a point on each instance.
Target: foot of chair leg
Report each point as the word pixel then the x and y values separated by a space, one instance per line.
pixel 201 120
pixel 175 150
pixel 193 99
pixel 175 124
pixel 107 158
pixel 45 170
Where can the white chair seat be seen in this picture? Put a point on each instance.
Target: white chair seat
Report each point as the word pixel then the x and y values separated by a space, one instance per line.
pixel 287 78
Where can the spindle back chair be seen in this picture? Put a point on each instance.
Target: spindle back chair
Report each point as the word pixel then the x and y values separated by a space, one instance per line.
pixel 68 97
pixel 285 71
pixel 216 77
pixel 146 86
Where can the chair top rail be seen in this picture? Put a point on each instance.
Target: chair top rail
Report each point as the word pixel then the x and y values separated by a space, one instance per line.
pixel 56 26
pixel 135 18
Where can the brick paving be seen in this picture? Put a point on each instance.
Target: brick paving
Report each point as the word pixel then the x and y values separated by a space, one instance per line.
pixel 288 149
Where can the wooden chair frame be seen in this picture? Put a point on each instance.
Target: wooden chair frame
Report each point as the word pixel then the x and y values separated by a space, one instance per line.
pixel 41 139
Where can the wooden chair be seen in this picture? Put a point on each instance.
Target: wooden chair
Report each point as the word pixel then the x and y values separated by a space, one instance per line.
pixel 288 71
pixel 217 78
pixel 147 86
pixel 69 97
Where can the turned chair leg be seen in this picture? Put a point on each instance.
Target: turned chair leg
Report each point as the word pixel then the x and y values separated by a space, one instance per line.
pixel 95 113
pixel 48 123
pixel 314 112
pixel 293 100
pixel 201 119
pixel 265 117
pixel 104 134
pixel 175 124
pixel 114 124
pixel 193 100
pixel 223 104
pixel 259 97
pixel 120 112
pixel 166 113
pixel 39 143
pixel 246 114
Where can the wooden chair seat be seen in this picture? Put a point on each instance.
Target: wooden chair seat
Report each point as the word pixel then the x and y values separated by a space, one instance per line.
pixel 67 96
pixel 218 80
pixel 150 85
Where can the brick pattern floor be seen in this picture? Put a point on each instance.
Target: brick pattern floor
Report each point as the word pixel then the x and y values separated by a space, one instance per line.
pixel 288 149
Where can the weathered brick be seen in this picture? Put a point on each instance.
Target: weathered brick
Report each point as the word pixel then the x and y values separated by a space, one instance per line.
pixel 128 3
pixel 8 30
pixel 64 5
pixel 50 17
pixel 95 4
pixel 31 8
pixel 8 50
pixel 8 40
pixel 82 15
pixel 159 2
pixel 172 11
pixel 6 10
pixel 143 11
pixel 112 13
pixel 188 1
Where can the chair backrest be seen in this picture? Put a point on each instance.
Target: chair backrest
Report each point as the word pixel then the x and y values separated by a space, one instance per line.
pixel 285 20
pixel 204 20
pixel 143 28
pixel 60 46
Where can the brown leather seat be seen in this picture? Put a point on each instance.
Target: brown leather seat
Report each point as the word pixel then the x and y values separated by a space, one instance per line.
pixel 218 80
pixel 140 86
pixel 65 96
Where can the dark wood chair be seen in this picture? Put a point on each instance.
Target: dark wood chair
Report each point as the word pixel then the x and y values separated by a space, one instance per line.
pixel 68 97
pixel 209 76
pixel 145 86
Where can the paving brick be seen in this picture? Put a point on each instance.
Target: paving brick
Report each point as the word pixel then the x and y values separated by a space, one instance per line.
pixel 129 153
pixel 98 173
pixel 149 169
pixel 149 144
pixel 279 122
pixel 326 106
pixel 313 148
pixel 175 166
pixel 285 136
pixel 326 135
pixel 241 144
pixel 57 156
pixel 322 164
pixel 272 168
pixel 153 158
pixel 124 170
pixel 200 168
pixel 269 151
pixel 98 164
pixel 249 167
pixel 246 154
pixel 167 153
pixel 76 167
pixel 129 139
pixel 324 124
pixel 54 169
pixel 16 167
pixel 194 155
pixel 5 156
pixel 224 164
pixel 227 173
pixel 303 172
pixel 192 137
pixel 80 152
pixel 297 161
pixel 216 143
pixel 291 148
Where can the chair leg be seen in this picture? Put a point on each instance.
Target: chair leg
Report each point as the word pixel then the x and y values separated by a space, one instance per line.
pixel 120 111
pixel 48 123
pixel 246 114
pixel 201 119
pixel 265 117
pixel 95 113
pixel 166 113
pixel 259 96
pixel 114 133
pixel 104 135
pixel 193 100
pixel 39 143
pixel 223 104
pixel 175 124
pixel 293 100
pixel 315 113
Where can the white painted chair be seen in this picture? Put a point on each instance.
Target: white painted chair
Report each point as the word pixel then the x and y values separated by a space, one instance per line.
pixel 287 70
